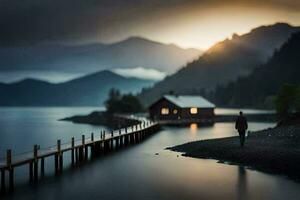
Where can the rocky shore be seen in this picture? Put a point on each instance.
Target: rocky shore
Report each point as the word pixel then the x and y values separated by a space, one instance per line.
pixel 102 118
pixel 274 150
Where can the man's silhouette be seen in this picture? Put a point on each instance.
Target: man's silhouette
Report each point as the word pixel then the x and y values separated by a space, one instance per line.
pixel 241 125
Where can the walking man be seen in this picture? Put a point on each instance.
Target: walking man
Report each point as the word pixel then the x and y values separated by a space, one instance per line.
pixel 241 126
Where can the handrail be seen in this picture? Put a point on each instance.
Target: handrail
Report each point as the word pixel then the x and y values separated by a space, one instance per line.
pixel 23 156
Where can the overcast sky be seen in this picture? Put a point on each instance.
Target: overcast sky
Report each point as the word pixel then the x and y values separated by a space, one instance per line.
pixel 188 23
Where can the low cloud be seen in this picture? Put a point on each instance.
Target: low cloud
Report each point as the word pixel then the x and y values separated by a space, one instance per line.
pixel 140 72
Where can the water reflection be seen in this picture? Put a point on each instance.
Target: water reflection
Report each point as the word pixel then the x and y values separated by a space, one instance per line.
pixel 136 172
pixel 194 127
pixel 242 183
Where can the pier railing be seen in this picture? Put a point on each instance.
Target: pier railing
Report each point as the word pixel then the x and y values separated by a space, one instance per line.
pixel 80 149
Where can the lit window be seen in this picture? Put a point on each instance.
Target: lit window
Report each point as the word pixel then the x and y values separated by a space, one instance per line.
pixel 165 111
pixel 194 110
pixel 175 111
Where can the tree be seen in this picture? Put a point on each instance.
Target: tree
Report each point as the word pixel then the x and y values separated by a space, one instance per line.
pixel 112 103
pixel 117 103
pixel 297 99
pixel 288 100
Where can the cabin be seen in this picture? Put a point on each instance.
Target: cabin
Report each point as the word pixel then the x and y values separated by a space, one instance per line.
pixel 182 108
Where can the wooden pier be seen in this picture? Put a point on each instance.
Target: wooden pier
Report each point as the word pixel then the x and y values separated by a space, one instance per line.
pixel 80 150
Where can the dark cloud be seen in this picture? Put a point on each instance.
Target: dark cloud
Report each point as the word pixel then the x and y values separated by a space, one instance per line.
pixel 35 21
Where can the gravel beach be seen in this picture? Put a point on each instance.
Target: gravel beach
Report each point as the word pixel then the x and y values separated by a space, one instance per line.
pixel 274 150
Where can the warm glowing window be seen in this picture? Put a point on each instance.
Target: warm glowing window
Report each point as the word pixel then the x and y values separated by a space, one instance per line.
pixel 175 111
pixel 164 111
pixel 194 110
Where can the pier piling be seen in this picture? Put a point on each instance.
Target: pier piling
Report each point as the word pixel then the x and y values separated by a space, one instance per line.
pixel 10 170
pixel 3 188
pixel 31 172
pixel 35 164
pixel 72 151
pixel 42 167
pixel 79 152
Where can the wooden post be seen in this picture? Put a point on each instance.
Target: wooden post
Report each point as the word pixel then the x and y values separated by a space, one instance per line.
pixel 61 162
pixel 11 179
pixel 3 189
pixel 122 140
pixel 93 145
pixel 35 165
pixel 31 172
pixel 77 154
pixel 10 170
pixel 117 142
pixel 92 137
pixel 57 157
pixel 58 146
pixel 80 154
pixel 80 149
pixel 84 148
pixel 72 151
pixel 8 158
pixel 138 136
pixel 106 146
pixel 131 138
pixel 56 163
pixel 42 167
pixel 83 140
pixel 126 140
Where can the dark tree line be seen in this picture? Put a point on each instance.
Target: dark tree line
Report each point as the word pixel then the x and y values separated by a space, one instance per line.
pixel 288 100
pixel 122 103
pixel 260 88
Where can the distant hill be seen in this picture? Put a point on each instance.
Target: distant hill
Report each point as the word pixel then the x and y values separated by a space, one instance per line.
pixel 132 52
pixel 224 62
pixel 259 88
pixel 90 90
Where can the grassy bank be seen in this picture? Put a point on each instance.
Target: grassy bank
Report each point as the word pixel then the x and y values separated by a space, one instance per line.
pixel 275 150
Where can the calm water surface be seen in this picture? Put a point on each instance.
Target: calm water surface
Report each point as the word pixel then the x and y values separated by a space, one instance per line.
pixel 143 171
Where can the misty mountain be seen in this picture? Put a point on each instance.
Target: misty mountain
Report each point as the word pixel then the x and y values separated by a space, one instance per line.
pixel 88 58
pixel 90 90
pixel 259 88
pixel 224 62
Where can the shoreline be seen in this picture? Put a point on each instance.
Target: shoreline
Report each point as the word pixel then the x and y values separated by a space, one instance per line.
pixel 102 118
pixel 274 150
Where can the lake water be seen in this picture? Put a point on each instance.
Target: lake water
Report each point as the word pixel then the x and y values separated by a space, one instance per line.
pixel 143 171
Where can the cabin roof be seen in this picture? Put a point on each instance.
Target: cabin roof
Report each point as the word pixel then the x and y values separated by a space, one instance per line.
pixel 188 101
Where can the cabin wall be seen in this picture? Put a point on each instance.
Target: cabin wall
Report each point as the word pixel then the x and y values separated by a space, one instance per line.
pixel 203 113
pixel 183 113
pixel 155 111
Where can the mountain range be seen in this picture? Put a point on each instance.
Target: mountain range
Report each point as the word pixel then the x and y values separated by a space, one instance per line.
pixel 219 70
pixel 226 61
pixel 90 90
pixel 89 58
pixel 260 87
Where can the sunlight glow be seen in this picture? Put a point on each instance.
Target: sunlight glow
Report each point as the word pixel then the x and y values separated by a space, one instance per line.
pixel 203 29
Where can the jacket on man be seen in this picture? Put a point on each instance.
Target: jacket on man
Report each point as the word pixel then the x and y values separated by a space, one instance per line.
pixel 241 123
